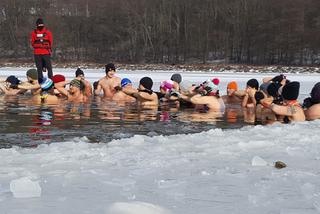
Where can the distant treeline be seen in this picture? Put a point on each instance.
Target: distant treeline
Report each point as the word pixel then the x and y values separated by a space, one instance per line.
pixel 167 31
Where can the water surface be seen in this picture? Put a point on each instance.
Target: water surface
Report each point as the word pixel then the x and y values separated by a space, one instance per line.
pixel 25 124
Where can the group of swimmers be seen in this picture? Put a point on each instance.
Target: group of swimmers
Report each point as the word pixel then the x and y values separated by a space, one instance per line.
pixel 274 100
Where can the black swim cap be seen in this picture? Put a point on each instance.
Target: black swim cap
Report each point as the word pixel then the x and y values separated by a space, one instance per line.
pixel 79 72
pixel 177 78
pixel 146 82
pixel 253 83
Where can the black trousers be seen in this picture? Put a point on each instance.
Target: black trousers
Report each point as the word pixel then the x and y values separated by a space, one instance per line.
pixel 43 63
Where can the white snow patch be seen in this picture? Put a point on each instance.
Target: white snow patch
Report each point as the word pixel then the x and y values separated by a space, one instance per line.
pixel 25 188
pixel 136 208
pixel 258 161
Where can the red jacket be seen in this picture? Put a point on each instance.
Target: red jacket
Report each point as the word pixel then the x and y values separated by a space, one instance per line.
pixel 41 41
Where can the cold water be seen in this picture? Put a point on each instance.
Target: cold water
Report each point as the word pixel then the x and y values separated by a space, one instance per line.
pixel 25 124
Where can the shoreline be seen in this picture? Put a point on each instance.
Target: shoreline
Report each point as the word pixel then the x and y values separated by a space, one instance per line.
pixel 213 67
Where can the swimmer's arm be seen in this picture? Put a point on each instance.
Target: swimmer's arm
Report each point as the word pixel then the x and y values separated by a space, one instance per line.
pixel 3 88
pixel 130 91
pixel 61 88
pixel 251 94
pixel 199 100
pixel 283 110
pixel 98 90
pixel 267 79
pixel 87 88
pixel 144 96
pixel 240 93
pixel 9 92
pixel 245 101
pixel 184 97
pixel 28 86
pixel 266 102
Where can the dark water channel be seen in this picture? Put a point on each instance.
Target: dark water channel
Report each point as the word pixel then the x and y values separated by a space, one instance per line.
pixel 27 125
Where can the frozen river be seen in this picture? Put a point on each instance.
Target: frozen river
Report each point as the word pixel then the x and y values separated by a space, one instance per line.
pixel 177 166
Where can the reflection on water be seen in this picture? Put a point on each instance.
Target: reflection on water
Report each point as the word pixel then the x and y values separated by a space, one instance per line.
pixel 27 125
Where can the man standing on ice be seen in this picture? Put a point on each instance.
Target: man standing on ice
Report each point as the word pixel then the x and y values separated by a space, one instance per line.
pixel 41 41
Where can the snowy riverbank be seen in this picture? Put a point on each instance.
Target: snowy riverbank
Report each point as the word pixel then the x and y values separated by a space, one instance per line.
pixel 214 67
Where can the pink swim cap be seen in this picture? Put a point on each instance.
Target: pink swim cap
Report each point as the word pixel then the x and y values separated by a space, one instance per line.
pixel 166 85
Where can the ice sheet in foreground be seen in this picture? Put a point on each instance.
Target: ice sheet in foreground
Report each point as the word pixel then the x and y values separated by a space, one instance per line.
pixel 209 172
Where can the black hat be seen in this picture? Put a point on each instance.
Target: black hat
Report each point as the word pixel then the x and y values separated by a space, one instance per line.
pixel 146 82
pixel 253 83
pixel 177 78
pixel 79 72
pixel 13 80
pixel 110 67
pixel 39 22
pixel 315 93
pixel 291 91
pixel 273 89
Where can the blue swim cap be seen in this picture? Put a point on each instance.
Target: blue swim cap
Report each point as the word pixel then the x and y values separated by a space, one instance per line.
pixel 46 84
pixel 125 81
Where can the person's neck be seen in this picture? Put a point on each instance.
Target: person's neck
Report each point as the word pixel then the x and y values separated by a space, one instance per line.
pixel 108 77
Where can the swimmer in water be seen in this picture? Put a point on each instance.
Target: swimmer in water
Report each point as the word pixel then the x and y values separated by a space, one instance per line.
pixel 108 83
pixel 144 94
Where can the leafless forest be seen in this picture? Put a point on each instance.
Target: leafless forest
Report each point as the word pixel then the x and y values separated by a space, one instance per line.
pixel 283 32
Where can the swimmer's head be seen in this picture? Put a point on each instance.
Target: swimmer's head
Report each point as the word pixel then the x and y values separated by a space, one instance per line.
pixel 166 86
pixel 46 84
pixel 146 83
pixel 176 78
pixel 32 73
pixel 125 82
pixel 253 83
pixel 75 83
pixel 232 87
pixel 291 91
pixel 79 73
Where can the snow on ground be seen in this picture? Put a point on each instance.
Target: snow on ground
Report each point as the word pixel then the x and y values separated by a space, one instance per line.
pixel 209 172
pixel 229 171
